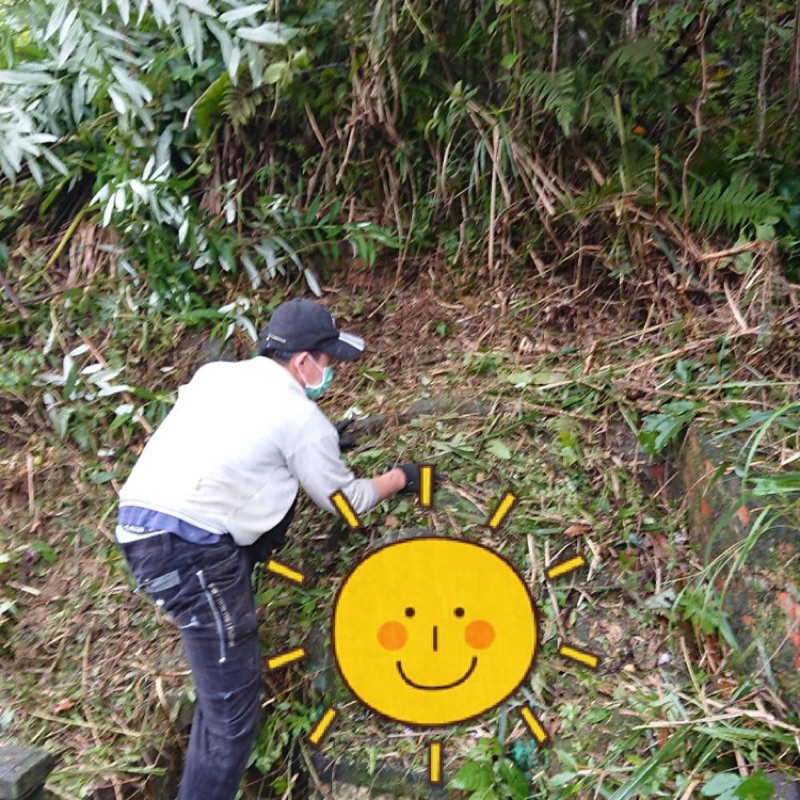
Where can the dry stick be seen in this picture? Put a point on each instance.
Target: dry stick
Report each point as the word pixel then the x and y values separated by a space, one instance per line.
pixel 698 120
pixel 794 69
pixel 351 142
pixel 67 236
pixel 690 789
pixel 761 96
pixel 633 23
pixel 482 119
pixel 493 196
pixel 533 560
pixel 312 121
pixel 556 26
pixel 731 251
pixel 31 489
pixel 551 593
pixel 737 314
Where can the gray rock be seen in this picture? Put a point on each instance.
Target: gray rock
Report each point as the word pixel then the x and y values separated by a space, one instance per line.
pixel 23 770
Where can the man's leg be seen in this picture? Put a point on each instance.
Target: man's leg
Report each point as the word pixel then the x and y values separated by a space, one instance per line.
pixel 226 666
pixel 210 599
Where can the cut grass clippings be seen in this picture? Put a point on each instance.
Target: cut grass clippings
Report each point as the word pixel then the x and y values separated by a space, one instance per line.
pixel 89 672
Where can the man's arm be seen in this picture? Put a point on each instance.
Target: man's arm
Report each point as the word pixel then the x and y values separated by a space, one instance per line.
pixel 318 465
pixel 389 483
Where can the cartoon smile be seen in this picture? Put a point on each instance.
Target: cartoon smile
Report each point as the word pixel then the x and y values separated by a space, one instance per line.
pixel 455 683
pixel 412 620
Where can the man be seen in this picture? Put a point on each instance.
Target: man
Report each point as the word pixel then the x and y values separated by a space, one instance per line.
pixel 213 492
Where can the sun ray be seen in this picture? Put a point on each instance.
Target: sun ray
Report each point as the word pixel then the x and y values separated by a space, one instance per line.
pixel 285 572
pixel 534 726
pixel 342 505
pixel 581 656
pixel 565 567
pixel 503 509
pixel 286 658
pixel 426 485
pixel 435 752
pixel 322 727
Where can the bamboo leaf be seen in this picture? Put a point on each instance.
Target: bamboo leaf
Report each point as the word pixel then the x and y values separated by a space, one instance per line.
pixel 311 280
pixel 268 33
pixel 65 28
pixel 31 77
pixel 56 20
pixel 238 14
pixel 200 6
pixel 124 7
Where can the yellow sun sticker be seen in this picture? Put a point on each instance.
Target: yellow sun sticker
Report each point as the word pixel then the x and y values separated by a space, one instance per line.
pixel 433 631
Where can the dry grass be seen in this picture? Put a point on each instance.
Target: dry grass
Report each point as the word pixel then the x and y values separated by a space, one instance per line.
pixel 89 672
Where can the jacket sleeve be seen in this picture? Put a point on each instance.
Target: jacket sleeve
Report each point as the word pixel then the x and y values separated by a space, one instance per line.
pixel 317 463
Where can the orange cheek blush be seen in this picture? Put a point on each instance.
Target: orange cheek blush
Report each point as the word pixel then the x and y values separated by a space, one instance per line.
pixel 479 634
pixel 392 635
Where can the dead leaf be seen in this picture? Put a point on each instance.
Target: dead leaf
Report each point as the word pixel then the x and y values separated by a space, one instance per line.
pixel 577 530
pixel 62 705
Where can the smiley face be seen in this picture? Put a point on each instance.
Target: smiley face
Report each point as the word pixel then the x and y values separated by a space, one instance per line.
pixel 433 631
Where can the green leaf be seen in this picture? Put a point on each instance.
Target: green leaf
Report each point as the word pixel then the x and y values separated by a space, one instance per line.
pixel 756 787
pixel 514 779
pixel 659 430
pixel 723 782
pixel 277 72
pixel 487 793
pixel 208 109
pixel 508 60
pixel 544 378
pixel 520 378
pixel 777 484
pixel 473 775
pixel 499 448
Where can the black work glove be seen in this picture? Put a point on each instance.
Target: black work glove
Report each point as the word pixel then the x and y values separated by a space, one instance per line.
pixel 412 473
pixel 345 442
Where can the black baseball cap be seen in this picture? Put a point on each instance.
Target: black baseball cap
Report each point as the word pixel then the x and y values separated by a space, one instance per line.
pixel 303 325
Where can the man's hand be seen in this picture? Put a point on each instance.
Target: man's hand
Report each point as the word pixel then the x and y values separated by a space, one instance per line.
pixel 345 443
pixel 412 474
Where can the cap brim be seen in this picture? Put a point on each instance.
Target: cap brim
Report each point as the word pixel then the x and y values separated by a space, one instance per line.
pixel 346 348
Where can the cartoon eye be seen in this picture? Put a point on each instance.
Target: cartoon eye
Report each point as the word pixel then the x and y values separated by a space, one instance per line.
pixel 410 612
pixel 459 612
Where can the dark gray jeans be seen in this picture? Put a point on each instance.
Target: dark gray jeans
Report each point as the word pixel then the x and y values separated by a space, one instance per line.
pixel 206 591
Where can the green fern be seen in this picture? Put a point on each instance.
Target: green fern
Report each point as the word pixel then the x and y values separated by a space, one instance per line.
pixel 640 57
pixel 241 103
pixel 738 204
pixel 555 92
pixel 743 90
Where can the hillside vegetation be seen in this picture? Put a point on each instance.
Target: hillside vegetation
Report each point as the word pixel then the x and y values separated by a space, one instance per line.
pixel 585 214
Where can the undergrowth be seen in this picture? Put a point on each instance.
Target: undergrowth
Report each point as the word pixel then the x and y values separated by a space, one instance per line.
pixel 569 427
